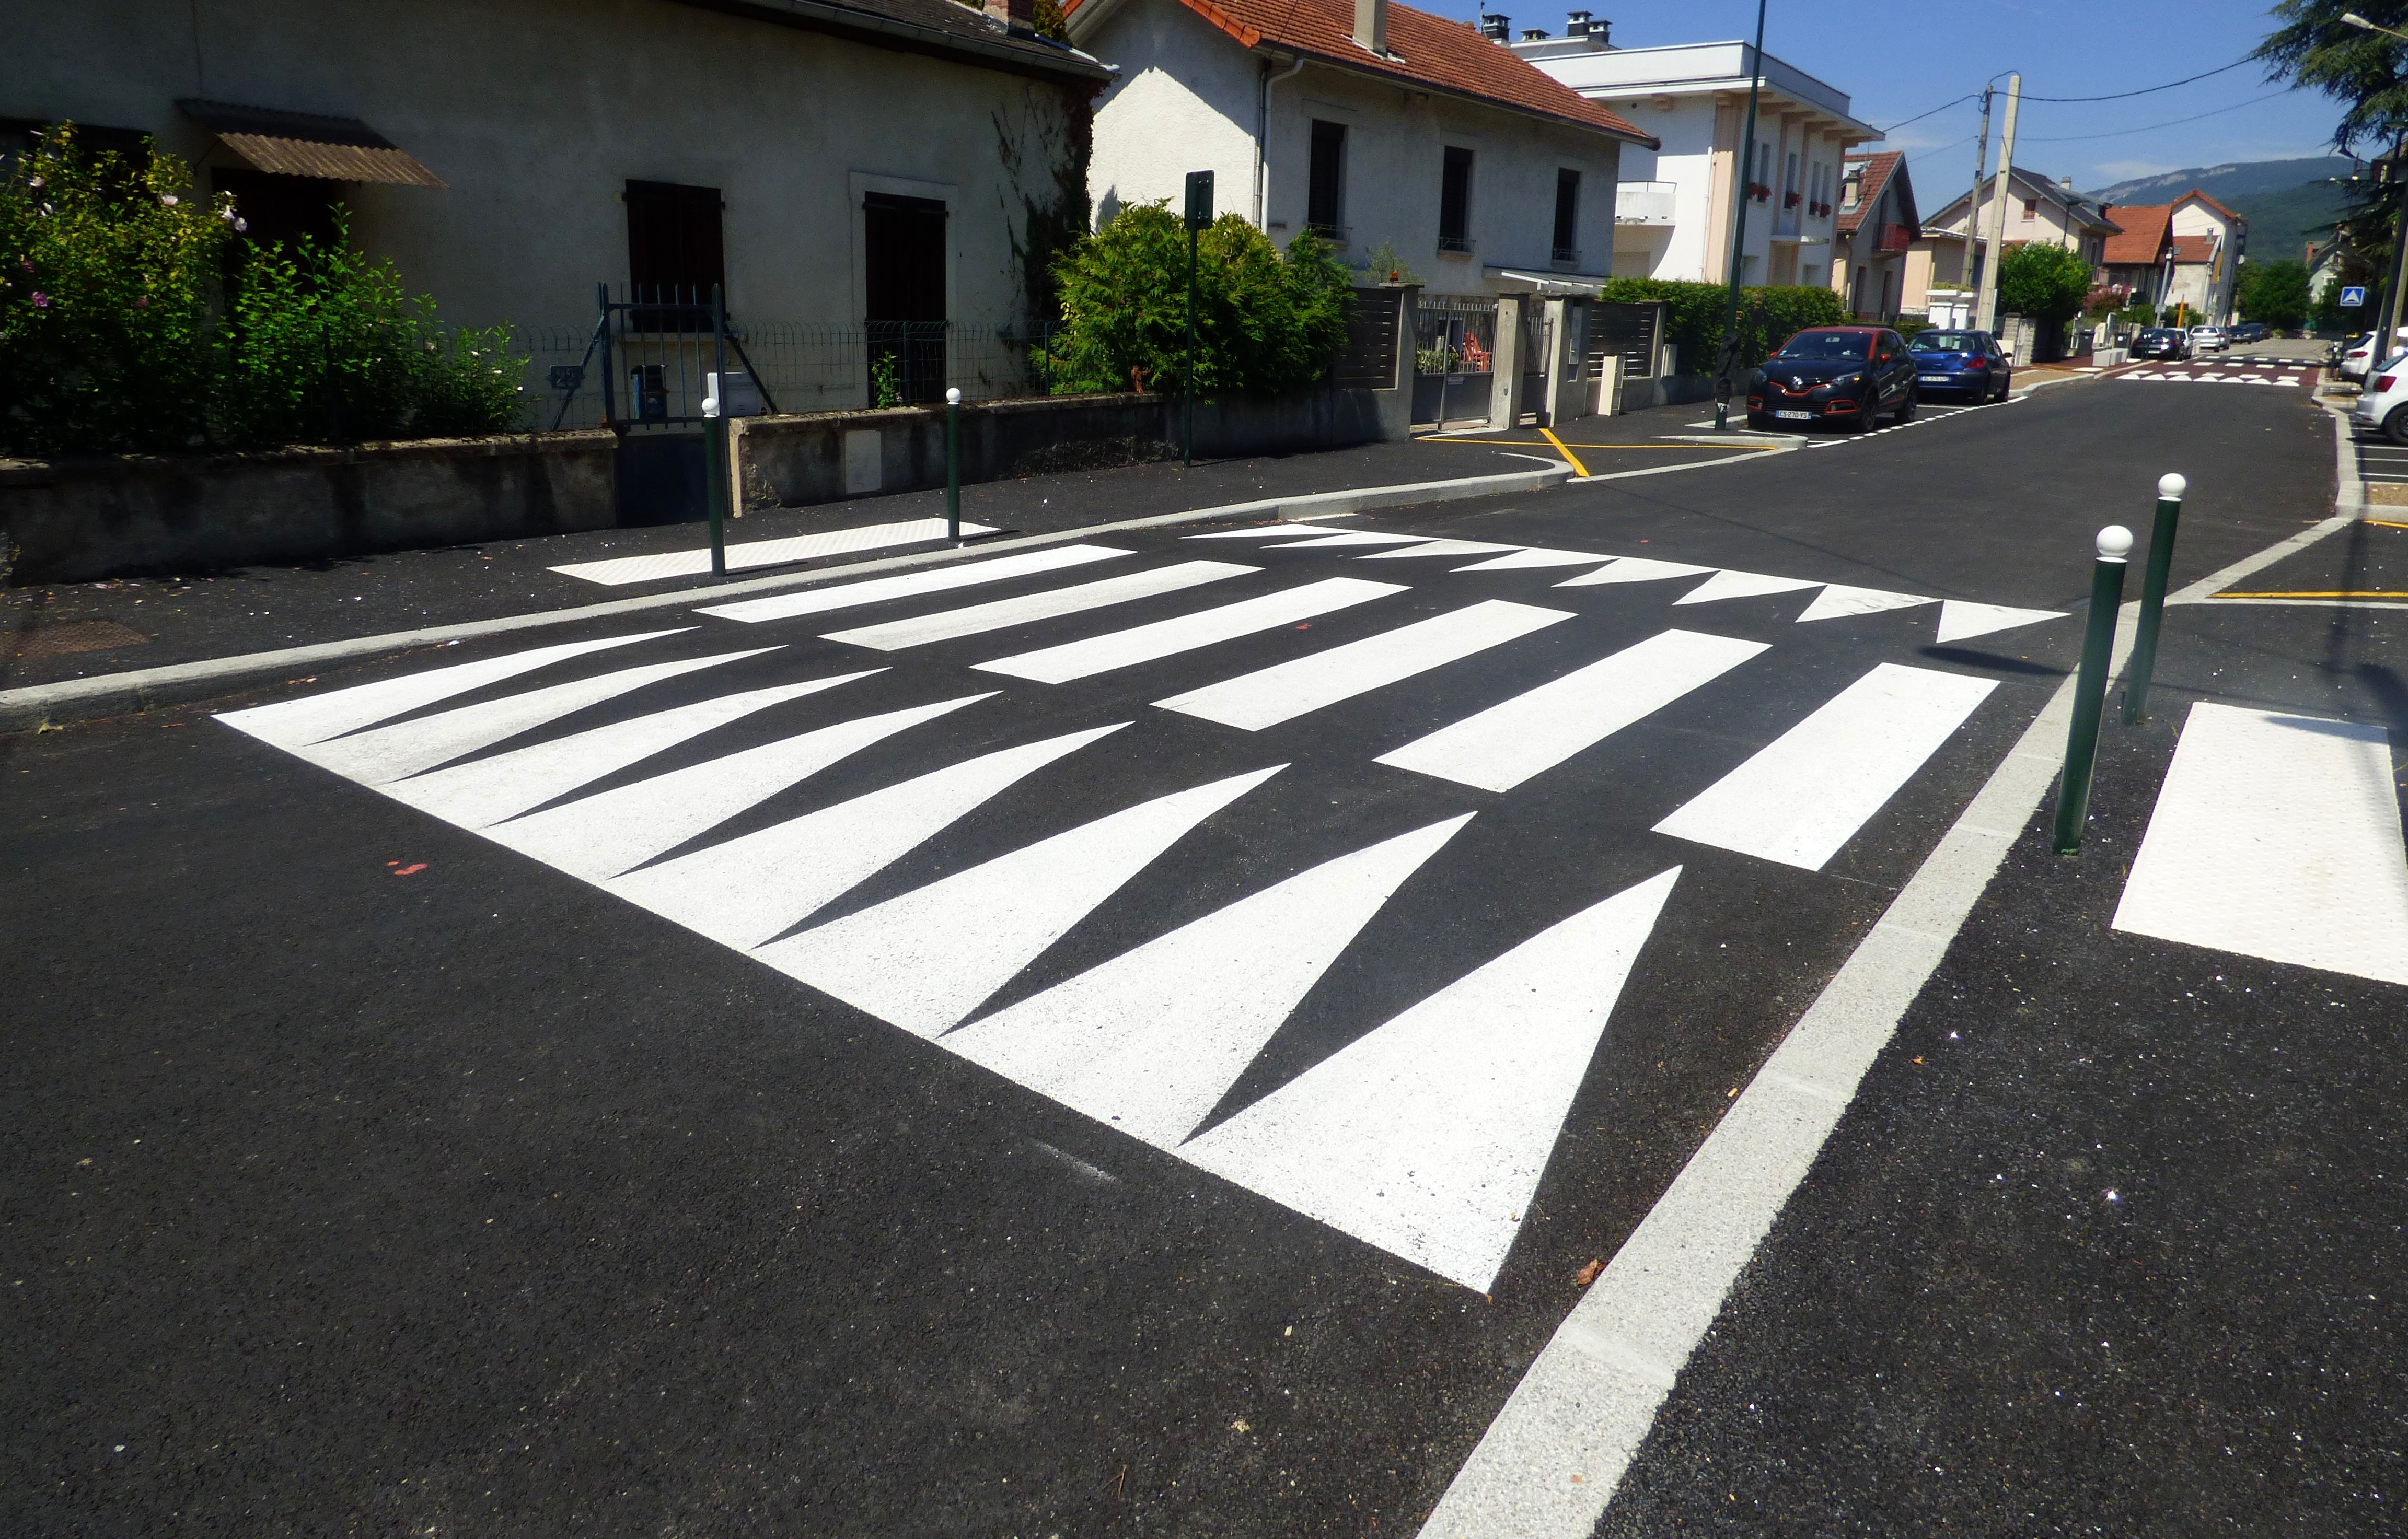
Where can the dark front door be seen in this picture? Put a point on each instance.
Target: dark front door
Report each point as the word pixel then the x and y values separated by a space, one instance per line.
pixel 903 253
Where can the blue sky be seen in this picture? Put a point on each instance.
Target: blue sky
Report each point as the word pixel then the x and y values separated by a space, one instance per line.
pixel 1900 58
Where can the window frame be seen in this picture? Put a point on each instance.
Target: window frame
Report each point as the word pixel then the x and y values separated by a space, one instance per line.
pixel 1335 138
pixel 1455 169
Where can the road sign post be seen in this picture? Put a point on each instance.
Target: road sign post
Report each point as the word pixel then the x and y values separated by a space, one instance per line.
pixel 2090 686
pixel 2153 597
pixel 1200 217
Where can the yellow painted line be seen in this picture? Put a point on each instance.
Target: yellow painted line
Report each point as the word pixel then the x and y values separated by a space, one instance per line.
pixel 1566 453
pixel 2383 524
pixel 1669 449
pixel 2367 595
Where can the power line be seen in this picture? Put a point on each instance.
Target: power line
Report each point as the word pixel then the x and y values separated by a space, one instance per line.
pixel 1920 116
pixel 2147 89
pixel 2118 134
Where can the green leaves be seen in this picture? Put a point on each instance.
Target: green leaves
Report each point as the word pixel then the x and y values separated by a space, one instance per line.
pixel 2049 283
pixel 1693 317
pixel 2358 68
pixel 110 339
pixel 1265 323
pixel 2275 292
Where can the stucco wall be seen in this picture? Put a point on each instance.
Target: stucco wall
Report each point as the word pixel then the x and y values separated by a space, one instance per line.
pixel 536 112
pixel 1186 101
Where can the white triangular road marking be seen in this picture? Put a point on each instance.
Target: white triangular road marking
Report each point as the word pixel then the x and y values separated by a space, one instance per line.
pixel 1960 620
pixel 1634 569
pixel 1731 585
pixel 1838 600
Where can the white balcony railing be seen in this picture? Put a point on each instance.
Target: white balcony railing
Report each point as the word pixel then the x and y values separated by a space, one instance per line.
pixel 1643 203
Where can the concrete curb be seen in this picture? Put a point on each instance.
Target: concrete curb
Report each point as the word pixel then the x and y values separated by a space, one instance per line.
pixel 148 689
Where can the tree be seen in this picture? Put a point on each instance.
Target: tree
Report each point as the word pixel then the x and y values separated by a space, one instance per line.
pixel 2047 283
pixel 2275 292
pixel 1264 322
pixel 2317 48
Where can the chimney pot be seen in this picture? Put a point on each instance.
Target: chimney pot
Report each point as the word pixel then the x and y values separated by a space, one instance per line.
pixel 1534 34
pixel 1017 16
pixel 1494 27
pixel 1371 25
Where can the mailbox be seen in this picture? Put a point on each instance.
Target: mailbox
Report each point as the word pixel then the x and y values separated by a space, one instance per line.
pixel 730 394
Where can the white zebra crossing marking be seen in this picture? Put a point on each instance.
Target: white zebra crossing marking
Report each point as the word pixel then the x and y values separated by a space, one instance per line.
pixel 1801 797
pixel 749 890
pixel 389 753
pixel 1960 620
pixel 1498 748
pixel 1730 585
pixel 1439 547
pixel 1271 532
pixel 1054 603
pixel 1163 638
pixel 1635 569
pixel 599 836
pixel 1285 691
pixel 486 791
pixel 1838 600
pixel 926 959
pixel 2278 837
pixel 1519 561
pixel 315 718
pixel 1353 536
pixel 846 596
pixel 1149 1041
pixel 1427 1137
pixel 618 571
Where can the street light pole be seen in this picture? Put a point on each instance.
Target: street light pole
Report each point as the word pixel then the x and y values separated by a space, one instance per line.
pixel 1985 317
pixel 1974 206
pixel 1722 366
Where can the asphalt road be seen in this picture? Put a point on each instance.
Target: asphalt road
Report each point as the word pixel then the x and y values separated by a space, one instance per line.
pixel 375 1175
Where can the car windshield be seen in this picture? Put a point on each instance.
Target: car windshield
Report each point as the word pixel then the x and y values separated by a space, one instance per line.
pixel 1825 345
pixel 1947 342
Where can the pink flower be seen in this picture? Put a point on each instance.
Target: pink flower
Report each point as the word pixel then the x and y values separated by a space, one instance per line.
pixel 41 300
pixel 240 225
pixel 169 199
pixel 26 263
pixel 143 303
pixel 35 184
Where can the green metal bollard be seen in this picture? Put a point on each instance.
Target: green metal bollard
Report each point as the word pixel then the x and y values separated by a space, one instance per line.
pixel 953 464
pixel 2090 686
pixel 2153 597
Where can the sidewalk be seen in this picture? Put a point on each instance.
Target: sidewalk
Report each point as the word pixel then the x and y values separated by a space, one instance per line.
pixel 68 631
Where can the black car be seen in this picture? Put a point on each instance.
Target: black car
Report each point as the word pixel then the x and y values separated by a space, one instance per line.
pixel 1966 364
pixel 2167 342
pixel 2249 331
pixel 1846 375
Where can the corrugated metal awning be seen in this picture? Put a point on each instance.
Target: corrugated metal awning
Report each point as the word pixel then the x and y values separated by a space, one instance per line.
pixel 304 144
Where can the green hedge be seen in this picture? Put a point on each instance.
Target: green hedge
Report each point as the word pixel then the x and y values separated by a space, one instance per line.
pixel 1266 322
pixel 1693 317
pixel 118 332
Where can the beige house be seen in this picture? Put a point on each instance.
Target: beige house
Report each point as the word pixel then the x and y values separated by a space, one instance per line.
pixel 1876 228
pixel 828 162
pixel 2038 210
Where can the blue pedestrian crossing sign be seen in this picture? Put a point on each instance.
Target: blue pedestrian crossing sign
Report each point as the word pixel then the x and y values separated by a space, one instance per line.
pixel 2354 297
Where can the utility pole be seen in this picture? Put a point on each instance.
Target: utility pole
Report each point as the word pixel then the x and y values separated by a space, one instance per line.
pixel 1729 359
pixel 1986 315
pixel 1973 202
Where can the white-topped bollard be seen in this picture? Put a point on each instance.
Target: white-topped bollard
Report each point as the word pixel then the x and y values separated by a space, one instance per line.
pixel 2090 686
pixel 954 463
pixel 2153 597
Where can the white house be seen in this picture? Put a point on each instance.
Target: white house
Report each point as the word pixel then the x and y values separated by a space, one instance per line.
pixel 510 154
pixel 1373 123
pixel 1677 201
pixel 2209 240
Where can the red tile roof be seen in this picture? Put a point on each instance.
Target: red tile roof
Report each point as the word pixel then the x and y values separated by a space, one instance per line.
pixel 2202 197
pixel 1431 51
pixel 2194 247
pixel 1878 170
pixel 2142 243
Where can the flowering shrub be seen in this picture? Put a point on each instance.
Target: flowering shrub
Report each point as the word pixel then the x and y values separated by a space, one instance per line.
pixel 106 269
pixel 112 335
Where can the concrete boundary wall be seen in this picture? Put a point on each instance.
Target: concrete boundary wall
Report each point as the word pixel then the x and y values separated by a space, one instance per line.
pixel 83 518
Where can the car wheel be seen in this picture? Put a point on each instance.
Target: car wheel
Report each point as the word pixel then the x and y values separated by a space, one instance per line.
pixel 1905 412
pixel 2395 427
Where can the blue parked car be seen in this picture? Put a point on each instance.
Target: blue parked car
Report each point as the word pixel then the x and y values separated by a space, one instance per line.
pixel 1963 362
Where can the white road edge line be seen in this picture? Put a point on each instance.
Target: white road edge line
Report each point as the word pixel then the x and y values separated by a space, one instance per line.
pixel 1552 1458
pixel 2349 505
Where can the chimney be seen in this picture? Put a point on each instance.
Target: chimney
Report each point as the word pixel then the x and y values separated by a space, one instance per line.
pixel 2066 182
pixel 1019 16
pixel 1494 27
pixel 1371 25
pixel 1534 34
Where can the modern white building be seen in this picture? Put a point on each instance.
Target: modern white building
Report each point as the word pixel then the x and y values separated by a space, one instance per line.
pixel 1375 124
pixel 1676 203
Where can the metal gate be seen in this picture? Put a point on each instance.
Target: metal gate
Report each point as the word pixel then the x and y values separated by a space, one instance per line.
pixel 1373 325
pixel 1630 331
pixel 1455 358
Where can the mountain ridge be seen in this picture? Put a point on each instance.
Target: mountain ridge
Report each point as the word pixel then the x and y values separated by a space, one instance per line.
pixel 2233 179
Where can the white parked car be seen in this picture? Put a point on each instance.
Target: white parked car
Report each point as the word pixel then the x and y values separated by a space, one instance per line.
pixel 2382 406
pixel 2356 356
pixel 2206 339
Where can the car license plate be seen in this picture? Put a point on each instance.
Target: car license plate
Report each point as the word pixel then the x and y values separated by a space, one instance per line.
pixel 1938 379
pixel 1795 416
